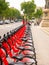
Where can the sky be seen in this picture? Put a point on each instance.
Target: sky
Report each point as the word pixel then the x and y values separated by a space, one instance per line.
pixel 16 3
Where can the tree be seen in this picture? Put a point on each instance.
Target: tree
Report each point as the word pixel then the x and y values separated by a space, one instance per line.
pixel 28 7
pixel 3 6
pixel 38 13
pixel 12 13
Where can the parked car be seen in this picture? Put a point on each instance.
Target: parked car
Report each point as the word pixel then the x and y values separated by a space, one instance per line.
pixel 33 19
pixel 7 21
pixel 12 21
pixel 16 20
pixel 1 22
pixel 19 20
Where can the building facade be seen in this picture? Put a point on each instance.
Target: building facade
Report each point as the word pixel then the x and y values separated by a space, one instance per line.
pixel 47 4
pixel 45 20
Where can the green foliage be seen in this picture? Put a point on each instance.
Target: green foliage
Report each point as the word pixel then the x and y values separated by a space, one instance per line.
pixel 3 6
pixel 12 13
pixel 38 13
pixel 7 12
pixel 28 7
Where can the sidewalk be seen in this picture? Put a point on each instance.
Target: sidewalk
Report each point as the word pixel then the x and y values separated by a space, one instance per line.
pixel 45 29
pixel 41 42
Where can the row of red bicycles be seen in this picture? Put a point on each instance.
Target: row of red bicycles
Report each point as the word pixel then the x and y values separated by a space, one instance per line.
pixel 17 47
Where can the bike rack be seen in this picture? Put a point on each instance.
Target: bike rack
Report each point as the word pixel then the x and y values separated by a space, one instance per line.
pixel 18 45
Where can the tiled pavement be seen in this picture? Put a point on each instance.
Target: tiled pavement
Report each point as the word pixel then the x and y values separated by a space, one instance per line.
pixel 45 29
pixel 41 42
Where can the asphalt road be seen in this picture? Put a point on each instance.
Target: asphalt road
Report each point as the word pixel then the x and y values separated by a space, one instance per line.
pixel 41 42
pixel 7 27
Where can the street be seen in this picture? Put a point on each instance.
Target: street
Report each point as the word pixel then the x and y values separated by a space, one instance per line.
pixel 41 42
pixel 7 27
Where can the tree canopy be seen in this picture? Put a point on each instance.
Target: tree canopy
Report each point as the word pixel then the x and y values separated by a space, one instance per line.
pixel 7 12
pixel 12 13
pixel 38 13
pixel 3 6
pixel 28 8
